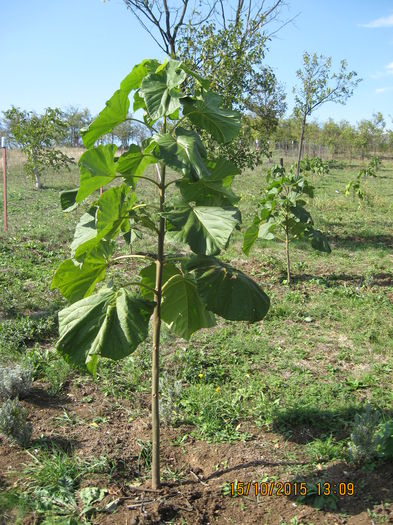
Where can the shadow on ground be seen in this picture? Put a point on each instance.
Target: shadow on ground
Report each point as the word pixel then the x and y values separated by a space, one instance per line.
pixel 382 279
pixel 303 425
pixel 361 242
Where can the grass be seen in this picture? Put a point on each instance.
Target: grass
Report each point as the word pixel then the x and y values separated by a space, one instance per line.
pixel 323 352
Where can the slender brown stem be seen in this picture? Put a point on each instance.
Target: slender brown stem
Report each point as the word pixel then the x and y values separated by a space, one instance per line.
pixel 287 252
pixel 301 145
pixel 155 414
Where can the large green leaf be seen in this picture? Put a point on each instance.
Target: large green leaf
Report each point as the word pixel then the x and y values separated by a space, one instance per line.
pixel 97 168
pixel 113 211
pixel 85 234
pixel 134 79
pixel 116 108
pixel 250 236
pixel 133 163
pixel 161 91
pixel 68 199
pixel 184 152
pixel 212 190
pixel 110 324
pixel 148 278
pixel 206 229
pixel 182 308
pixel 228 292
pixel 114 113
pixel 206 113
pixel 105 220
pixel 75 281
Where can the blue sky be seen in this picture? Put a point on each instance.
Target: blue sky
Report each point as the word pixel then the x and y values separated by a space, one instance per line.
pixel 75 52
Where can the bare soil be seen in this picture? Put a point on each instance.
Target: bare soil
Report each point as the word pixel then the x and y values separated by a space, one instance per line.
pixel 199 491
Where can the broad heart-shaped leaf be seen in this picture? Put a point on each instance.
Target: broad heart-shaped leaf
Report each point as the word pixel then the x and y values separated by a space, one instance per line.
pixel 75 281
pixel 114 113
pixel 184 153
pixel 319 241
pixel 97 168
pixel 113 211
pixel 213 190
pixel 134 79
pixel 228 292
pixel 105 220
pixel 206 229
pixel 133 163
pixel 182 308
pixel 222 124
pixel 67 199
pixel 266 230
pixel 85 233
pixel 116 108
pixel 109 324
pixel 251 235
pixel 148 278
pixel 161 91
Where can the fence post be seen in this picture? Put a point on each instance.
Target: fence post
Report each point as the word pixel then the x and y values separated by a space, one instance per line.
pixel 4 151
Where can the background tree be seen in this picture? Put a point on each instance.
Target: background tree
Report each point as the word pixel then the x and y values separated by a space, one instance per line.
pixel 318 84
pixel 76 119
pixel 282 213
pixel 225 42
pixel 37 136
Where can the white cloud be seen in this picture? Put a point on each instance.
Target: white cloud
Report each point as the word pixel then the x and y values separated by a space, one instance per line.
pixel 389 68
pixel 379 91
pixel 386 21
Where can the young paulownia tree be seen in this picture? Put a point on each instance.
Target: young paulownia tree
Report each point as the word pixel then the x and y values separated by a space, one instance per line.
pixel 319 85
pixel 37 136
pixel 184 290
pixel 282 213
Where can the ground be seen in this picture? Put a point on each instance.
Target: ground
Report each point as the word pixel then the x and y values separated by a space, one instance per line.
pixel 260 404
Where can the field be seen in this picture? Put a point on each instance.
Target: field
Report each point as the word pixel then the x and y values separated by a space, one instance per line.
pixel 262 404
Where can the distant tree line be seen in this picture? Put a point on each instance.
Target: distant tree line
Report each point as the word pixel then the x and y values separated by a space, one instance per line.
pixel 72 119
pixel 367 138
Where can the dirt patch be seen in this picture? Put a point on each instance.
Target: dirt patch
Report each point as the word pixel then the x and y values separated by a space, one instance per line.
pixel 198 477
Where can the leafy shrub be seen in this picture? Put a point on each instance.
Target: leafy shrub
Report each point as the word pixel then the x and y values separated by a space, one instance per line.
pixel 13 422
pixel 17 334
pixel 14 382
pixel 371 438
pixel 48 366
pixel 314 165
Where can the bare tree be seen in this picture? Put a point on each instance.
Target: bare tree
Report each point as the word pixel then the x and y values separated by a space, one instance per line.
pixel 165 20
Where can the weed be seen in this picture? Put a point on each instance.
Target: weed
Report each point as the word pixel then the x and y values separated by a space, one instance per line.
pixel 13 422
pixel 364 441
pixel 15 381
pixel 145 454
pixel 48 366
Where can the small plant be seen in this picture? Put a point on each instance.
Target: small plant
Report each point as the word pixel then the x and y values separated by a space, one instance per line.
pixel 317 499
pixel 364 442
pixel 314 165
pixel 13 422
pixel 355 185
pixel 282 213
pixel 145 454
pixel 15 381
pixel 170 396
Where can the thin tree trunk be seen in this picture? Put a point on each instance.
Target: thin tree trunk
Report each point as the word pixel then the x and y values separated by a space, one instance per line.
pixel 37 180
pixel 287 253
pixel 299 156
pixel 155 469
